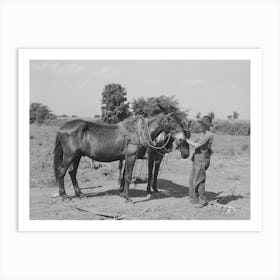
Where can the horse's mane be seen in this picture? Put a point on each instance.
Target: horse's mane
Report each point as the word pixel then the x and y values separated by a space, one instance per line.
pixel 131 123
pixel 179 117
pixel 100 124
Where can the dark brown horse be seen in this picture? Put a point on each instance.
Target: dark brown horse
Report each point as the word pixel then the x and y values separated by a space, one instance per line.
pixel 107 143
pixel 163 144
pixel 155 157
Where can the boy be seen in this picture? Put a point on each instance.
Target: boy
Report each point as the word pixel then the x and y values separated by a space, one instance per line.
pixel 201 162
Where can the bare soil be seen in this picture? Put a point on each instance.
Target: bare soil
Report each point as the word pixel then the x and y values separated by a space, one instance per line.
pixel 228 185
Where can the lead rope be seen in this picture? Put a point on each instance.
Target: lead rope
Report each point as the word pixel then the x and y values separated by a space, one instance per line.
pixel 147 142
pixel 145 122
pixel 125 163
pixel 147 127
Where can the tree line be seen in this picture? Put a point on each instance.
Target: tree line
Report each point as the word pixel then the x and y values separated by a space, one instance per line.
pixel 115 107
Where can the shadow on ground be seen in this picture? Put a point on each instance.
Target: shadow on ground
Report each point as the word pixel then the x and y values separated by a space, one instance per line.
pixel 228 198
pixel 167 188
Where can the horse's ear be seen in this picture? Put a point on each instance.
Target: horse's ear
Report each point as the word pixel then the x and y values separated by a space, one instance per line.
pixel 189 124
pixel 163 110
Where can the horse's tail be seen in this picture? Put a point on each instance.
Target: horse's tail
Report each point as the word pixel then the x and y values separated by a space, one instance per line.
pixel 58 155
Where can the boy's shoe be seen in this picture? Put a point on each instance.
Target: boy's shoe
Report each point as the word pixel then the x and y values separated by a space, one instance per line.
pixel 201 204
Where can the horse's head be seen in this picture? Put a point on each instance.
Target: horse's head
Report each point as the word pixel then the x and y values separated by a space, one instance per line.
pixel 173 124
pixel 183 146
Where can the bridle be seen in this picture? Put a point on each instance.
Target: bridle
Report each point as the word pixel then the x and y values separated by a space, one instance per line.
pixel 187 132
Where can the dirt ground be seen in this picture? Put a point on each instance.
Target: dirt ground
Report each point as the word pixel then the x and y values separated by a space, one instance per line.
pixel 228 185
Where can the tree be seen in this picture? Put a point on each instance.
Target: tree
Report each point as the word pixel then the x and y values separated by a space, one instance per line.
pixel 115 106
pixel 140 106
pixel 229 117
pixel 211 115
pixel 39 113
pixel 235 115
pixel 154 105
pixel 198 116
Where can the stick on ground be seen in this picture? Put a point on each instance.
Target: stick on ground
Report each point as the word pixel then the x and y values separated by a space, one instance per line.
pixel 105 215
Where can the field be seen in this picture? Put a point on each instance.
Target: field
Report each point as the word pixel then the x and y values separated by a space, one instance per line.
pixel 228 185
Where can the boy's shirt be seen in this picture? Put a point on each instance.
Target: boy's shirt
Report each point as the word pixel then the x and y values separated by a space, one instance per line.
pixel 206 140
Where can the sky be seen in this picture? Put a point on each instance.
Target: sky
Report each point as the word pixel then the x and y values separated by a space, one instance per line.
pixel 74 87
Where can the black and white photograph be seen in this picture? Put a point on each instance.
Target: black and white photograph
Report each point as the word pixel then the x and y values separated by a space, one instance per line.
pixel 140 139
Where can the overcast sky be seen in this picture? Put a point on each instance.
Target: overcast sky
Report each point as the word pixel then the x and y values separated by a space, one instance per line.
pixel 74 87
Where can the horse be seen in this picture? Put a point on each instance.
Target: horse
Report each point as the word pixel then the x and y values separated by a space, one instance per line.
pixel 155 157
pixel 107 143
pixel 163 145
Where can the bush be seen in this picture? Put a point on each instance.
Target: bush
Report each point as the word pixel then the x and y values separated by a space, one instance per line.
pixel 231 127
pixel 40 113
pixel 154 105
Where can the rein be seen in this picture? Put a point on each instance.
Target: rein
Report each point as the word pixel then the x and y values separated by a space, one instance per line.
pixel 149 136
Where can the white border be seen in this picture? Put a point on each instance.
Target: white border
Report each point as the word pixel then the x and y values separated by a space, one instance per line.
pixel 24 57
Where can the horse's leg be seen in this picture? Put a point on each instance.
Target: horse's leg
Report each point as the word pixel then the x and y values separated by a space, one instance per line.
pixel 157 166
pixel 122 181
pixel 129 165
pixel 61 173
pixel 73 175
pixel 120 172
pixel 151 161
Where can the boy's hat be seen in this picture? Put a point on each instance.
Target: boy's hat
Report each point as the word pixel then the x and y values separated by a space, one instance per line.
pixel 206 120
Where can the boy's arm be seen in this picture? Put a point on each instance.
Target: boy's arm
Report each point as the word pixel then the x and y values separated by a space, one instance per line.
pixel 200 143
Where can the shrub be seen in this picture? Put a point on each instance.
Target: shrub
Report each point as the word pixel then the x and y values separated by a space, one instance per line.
pixel 154 105
pixel 40 113
pixel 231 127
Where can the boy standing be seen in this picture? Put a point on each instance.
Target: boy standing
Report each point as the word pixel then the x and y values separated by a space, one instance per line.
pixel 201 162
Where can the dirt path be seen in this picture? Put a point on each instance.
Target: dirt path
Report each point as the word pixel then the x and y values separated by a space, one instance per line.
pixel 228 183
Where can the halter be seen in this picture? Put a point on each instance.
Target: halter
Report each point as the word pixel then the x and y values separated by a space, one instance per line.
pixel 187 130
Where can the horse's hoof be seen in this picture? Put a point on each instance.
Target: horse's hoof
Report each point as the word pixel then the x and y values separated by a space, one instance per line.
pixel 65 197
pixel 155 190
pixel 81 195
pixel 128 200
pixel 149 195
